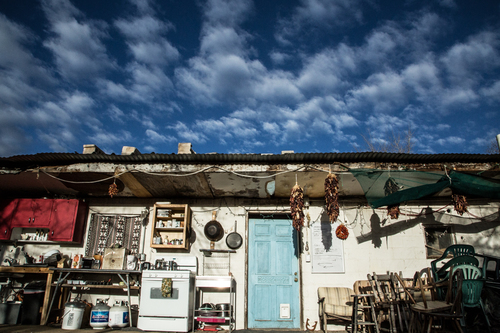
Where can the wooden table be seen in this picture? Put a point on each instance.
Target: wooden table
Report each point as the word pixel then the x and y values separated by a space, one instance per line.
pixel 11 270
pixel 64 273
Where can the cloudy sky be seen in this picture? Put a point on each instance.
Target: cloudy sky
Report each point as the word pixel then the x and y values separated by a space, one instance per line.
pixel 248 76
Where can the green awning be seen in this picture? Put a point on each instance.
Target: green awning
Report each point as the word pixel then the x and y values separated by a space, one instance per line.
pixel 414 185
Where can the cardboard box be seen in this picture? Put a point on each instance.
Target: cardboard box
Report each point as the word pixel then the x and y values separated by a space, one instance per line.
pixel 114 258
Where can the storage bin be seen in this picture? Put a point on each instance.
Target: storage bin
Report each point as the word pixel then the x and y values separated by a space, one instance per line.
pixel 9 312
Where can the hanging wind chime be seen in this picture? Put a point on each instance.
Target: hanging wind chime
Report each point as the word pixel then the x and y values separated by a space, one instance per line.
pixel 332 204
pixel 297 206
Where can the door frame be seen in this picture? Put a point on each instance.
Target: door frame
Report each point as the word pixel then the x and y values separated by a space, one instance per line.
pixel 277 215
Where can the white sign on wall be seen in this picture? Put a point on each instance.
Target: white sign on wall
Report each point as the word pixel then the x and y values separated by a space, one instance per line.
pixel 327 249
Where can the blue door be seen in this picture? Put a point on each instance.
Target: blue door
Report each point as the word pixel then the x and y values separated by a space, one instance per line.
pixel 273 275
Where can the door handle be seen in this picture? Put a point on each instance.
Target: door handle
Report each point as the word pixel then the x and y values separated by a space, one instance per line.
pixel 296 280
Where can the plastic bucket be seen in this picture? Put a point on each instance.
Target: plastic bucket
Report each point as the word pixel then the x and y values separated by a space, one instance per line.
pixel 73 315
pixel 9 312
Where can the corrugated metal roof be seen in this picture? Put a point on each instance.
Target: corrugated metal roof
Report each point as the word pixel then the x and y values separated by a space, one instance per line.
pixel 53 159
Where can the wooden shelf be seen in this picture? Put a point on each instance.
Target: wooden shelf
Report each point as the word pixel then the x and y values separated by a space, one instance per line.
pixel 168 246
pixel 96 286
pixel 164 230
pixel 170 229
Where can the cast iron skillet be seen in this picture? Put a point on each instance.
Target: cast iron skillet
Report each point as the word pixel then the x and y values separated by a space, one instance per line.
pixel 234 239
pixel 213 229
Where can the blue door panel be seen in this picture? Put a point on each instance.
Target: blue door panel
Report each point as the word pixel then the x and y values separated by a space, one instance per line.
pixel 262 249
pixel 272 270
pixel 263 309
pixel 282 231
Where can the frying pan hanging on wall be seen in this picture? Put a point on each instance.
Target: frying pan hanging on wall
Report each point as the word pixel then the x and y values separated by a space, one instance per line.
pixel 234 239
pixel 213 231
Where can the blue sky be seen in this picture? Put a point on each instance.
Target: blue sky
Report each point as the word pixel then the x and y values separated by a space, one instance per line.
pixel 248 76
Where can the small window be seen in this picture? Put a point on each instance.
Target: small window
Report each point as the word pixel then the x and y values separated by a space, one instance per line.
pixel 437 239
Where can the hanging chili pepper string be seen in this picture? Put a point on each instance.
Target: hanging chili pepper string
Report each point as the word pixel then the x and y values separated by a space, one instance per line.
pixel 332 197
pixel 297 206
pixel 113 189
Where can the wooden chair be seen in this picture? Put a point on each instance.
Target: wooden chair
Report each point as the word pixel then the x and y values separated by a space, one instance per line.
pixel 386 302
pixel 335 303
pixel 429 310
pixel 404 312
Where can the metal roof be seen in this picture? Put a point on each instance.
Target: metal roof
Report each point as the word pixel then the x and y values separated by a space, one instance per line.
pixel 47 159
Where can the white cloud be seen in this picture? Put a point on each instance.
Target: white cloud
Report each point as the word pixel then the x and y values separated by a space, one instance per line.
pixel 187 134
pixel 227 127
pixel 467 62
pixel 159 138
pixel 76 44
pixel 223 40
pixel 66 112
pixel 146 40
pixel 227 12
pixel 458 97
pixel 149 81
pixel 145 27
pixel 116 114
pixel 224 71
pixel 382 92
pixel 279 58
pixel 23 76
pixel 325 14
pixel 448 3
pixel 381 125
pixel 450 140
pixel 105 139
pixel 159 53
pixel 326 71
pixel 423 77
pixel 60 141
pixel 492 92
pixel 271 128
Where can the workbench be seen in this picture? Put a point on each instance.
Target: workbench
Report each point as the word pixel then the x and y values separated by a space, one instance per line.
pixel 65 273
pixel 13 270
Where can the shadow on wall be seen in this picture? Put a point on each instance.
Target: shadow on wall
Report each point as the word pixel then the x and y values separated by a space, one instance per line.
pixel 465 225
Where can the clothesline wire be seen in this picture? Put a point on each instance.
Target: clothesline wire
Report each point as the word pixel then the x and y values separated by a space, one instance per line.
pixel 116 175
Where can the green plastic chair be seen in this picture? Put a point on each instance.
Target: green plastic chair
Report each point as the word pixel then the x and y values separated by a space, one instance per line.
pixel 444 271
pixel 455 250
pixel 472 286
pixel 442 274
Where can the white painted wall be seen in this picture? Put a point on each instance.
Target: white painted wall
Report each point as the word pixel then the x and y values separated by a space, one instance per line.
pixel 402 251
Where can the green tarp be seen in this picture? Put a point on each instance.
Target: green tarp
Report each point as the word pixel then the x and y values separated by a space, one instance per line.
pixel 414 185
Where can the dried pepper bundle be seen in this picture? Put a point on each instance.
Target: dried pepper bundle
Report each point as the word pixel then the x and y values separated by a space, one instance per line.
pixel 342 232
pixel 113 190
pixel 393 211
pixel 332 197
pixel 296 206
pixel 460 203
pixel 391 187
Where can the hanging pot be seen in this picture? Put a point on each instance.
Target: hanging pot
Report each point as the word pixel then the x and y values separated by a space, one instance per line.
pixel 213 229
pixel 234 239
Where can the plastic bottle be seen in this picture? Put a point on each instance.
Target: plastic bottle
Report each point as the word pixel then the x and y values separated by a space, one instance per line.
pixel 76 259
